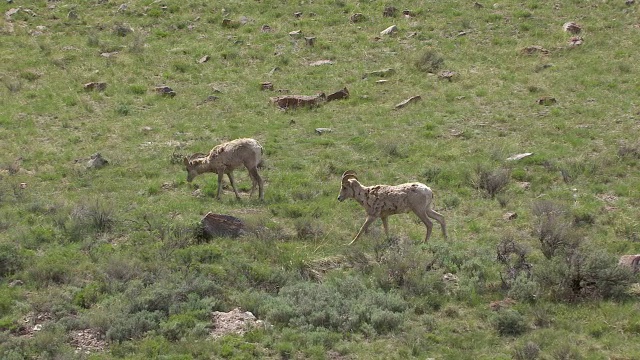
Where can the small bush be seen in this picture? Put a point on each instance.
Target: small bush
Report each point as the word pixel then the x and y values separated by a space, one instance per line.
pixel 509 322
pixel 11 259
pixel 528 351
pixel 552 228
pixel 429 61
pixel 491 182
pixel 133 326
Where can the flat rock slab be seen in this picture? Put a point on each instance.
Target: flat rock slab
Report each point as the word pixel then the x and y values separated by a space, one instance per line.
pixel 217 225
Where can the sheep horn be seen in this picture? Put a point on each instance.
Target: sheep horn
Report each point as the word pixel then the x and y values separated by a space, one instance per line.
pixel 349 174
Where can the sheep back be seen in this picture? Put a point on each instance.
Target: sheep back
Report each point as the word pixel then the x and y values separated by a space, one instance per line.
pixel 235 153
pixel 384 200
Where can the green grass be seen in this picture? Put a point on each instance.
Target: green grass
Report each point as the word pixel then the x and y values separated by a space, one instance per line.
pixel 117 249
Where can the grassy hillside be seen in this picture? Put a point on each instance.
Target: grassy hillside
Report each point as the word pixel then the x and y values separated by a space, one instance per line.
pixel 117 253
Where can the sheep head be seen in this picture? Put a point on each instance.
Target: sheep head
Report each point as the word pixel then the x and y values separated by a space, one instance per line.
pixel 191 165
pixel 346 190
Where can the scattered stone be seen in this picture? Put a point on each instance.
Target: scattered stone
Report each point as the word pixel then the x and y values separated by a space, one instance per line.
pixel 273 71
pixel 630 261
pixel 629 2
pixel 576 41
pixel 408 101
pixel 244 20
pixel 338 95
pixel 296 34
pixel 210 98
pixel 456 133
pixel 357 17
pixel 165 91
pixel 447 74
pixel 15 283
pixel 204 59
pixel 310 41
pixel 518 156
pixel 97 161
pixel 297 14
pixel 477 5
pixel 321 62
pixel 382 81
pixel 389 31
pixel 524 185
pixel 87 341
pixel 462 33
pixel 295 101
pixel 122 30
pixel 546 101
pixel 108 54
pixel 266 86
pixel 95 86
pixel 407 13
pixel 265 28
pixel 389 11
pixel 535 49
pixel 510 216
pixel 22 185
pixel 72 15
pixel 502 304
pixel 321 131
pixel 572 28
pixel 450 278
pixel 217 225
pixel 380 73
pixel 235 321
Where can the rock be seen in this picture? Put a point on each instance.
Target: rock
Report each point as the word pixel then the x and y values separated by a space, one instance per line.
pixel 389 31
pixel 204 59
pixel 447 74
pixel 165 91
pixel 576 41
pixel 338 95
pixel 535 49
pixel 321 131
pixel 97 86
pixel 389 11
pixel 380 73
pixel 108 54
pixel 310 41
pixel 407 13
pixel 518 156
pixel 217 225
pixel 15 283
pixel 97 161
pixel 546 101
pixel 294 101
pixel 408 101
pixel 297 34
pixel 321 62
pixel 265 28
pixel 357 17
pixel 630 261
pixel 266 86
pixel 572 28
pixel 510 216
pixel 297 14
pixel 235 321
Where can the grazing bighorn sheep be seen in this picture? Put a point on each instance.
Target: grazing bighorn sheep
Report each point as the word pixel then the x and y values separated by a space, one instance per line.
pixel 380 201
pixel 226 157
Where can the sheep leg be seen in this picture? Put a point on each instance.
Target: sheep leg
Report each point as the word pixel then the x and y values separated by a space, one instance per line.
pixel 220 175
pixel 385 224
pixel 233 184
pixel 428 223
pixel 439 218
pixel 364 228
pixel 256 178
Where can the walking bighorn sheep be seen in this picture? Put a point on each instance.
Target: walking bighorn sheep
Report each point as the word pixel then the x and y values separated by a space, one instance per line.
pixel 381 201
pixel 226 157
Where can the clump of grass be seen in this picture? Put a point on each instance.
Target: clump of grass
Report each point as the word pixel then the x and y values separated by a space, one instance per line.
pixel 552 227
pixel 509 322
pixel 528 351
pixel 429 61
pixel 491 182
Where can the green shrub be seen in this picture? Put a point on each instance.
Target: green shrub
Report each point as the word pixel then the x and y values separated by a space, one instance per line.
pixel 528 351
pixel 133 326
pixel 553 228
pixel 429 61
pixel 509 322
pixel 11 259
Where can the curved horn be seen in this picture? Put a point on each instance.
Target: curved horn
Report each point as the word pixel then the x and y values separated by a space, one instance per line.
pixel 349 174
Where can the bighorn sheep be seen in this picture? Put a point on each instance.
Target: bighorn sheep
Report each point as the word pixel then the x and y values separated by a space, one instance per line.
pixel 226 157
pixel 380 201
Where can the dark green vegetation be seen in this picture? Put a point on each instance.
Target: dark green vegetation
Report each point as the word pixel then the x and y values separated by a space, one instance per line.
pixel 116 251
